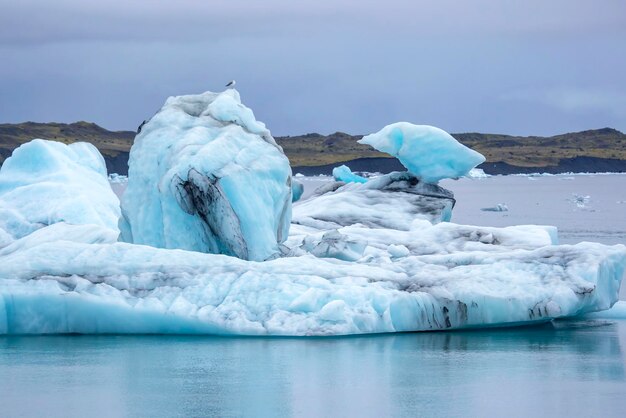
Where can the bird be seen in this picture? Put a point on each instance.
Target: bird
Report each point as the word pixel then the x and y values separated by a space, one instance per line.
pixel 231 84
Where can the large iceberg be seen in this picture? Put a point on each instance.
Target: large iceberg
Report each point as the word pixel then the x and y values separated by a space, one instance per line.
pixel 454 277
pixel 204 175
pixel 358 257
pixel 429 153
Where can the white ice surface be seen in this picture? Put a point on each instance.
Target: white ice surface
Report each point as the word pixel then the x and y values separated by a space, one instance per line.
pixel 46 182
pixel 204 175
pixel 457 280
pixel 429 153
pixel 388 201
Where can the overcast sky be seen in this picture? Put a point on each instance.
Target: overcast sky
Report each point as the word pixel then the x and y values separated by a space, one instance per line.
pixel 531 67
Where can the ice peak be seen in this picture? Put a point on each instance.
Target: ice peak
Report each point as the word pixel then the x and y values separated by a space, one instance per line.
pixel 203 163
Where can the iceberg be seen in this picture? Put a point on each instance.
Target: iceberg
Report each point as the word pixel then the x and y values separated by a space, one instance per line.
pixel 47 182
pixel 205 176
pixel 213 245
pixel 454 277
pixel 427 152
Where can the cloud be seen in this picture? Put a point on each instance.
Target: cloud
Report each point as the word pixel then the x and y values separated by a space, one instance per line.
pixel 43 21
pixel 309 65
pixel 575 99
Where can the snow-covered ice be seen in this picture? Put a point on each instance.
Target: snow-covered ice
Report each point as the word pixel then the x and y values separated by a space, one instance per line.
pixel 429 153
pixel 333 244
pixel 394 200
pixel 204 175
pixel 454 277
pixel 207 177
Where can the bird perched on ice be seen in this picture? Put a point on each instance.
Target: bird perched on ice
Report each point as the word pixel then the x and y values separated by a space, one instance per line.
pixel 231 84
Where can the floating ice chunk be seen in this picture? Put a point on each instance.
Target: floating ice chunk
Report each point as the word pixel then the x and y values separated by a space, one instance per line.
pixel 343 173
pixel 204 175
pixel 478 173
pixel 581 201
pixel 297 189
pixel 500 207
pixel 45 182
pixel 115 178
pixel 427 152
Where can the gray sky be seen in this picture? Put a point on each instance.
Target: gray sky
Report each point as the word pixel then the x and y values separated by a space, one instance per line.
pixel 520 67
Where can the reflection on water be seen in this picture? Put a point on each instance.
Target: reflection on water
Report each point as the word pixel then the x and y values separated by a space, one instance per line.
pixel 573 368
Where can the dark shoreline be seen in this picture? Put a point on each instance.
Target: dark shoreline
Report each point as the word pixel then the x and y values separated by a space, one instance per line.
pixel 568 165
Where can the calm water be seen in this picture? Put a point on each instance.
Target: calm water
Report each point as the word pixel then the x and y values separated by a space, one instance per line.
pixel 568 368
pixel 547 201
pixel 564 369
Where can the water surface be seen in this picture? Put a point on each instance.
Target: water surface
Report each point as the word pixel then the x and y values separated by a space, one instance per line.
pixel 569 368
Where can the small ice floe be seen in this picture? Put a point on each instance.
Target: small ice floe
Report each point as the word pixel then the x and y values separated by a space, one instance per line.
pixel 500 207
pixel 299 175
pixel 477 173
pixel 115 178
pixel 580 200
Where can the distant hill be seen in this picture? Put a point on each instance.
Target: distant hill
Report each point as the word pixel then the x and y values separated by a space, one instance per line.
pixel 593 150
pixel 114 146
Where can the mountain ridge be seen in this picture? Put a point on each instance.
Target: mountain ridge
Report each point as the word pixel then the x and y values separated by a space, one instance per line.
pixel 589 150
